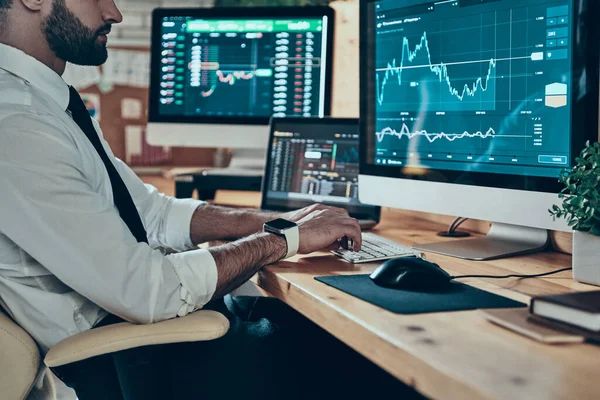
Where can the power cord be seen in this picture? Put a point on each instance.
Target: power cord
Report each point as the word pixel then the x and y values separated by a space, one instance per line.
pixel 452 229
pixel 510 276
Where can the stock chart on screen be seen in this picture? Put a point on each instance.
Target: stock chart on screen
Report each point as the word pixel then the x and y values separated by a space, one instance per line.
pixel 314 162
pixel 474 85
pixel 243 67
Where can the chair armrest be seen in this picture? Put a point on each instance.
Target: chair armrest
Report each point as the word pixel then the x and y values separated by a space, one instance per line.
pixel 198 326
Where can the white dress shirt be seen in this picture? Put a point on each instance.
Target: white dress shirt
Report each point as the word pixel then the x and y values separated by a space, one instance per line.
pixel 66 256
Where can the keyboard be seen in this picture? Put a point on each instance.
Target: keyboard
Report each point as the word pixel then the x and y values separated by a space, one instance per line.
pixel 376 248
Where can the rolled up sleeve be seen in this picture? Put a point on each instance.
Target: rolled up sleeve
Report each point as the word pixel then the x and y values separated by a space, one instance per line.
pixel 167 219
pixel 178 223
pixel 198 285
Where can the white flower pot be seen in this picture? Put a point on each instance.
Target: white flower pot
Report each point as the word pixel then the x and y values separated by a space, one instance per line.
pixel 586 258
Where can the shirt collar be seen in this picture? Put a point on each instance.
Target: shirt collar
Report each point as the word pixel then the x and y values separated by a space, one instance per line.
pixel 36 73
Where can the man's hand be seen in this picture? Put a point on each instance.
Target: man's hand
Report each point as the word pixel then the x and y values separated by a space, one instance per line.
pixel 323 229
pixel 297 215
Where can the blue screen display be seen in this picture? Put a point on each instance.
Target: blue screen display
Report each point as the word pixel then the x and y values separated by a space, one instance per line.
pixel 474 85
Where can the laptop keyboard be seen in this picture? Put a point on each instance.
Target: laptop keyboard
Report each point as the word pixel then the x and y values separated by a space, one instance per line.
pixel 376 248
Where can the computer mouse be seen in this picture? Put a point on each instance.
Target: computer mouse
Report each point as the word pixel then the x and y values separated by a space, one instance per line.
pixel 411 273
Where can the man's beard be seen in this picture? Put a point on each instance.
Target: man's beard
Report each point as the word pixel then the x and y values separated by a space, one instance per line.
pixel 71 40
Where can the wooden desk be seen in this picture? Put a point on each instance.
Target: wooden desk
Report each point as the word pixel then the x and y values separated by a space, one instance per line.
pixel 454 355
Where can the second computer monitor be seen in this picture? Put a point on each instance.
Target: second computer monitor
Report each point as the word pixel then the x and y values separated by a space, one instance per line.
pixel 218 75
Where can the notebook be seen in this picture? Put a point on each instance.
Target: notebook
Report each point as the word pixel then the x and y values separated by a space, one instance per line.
pixel 580 309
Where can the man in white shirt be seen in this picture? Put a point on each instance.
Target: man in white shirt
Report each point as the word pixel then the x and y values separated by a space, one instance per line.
pixel 82 239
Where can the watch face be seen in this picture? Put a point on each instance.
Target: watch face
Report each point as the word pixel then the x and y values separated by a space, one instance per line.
pixel 280 224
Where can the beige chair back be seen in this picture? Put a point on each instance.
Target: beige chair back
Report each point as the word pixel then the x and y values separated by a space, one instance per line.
pixel 19 360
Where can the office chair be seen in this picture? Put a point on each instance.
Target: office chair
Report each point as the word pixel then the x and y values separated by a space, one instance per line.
pixel 21 370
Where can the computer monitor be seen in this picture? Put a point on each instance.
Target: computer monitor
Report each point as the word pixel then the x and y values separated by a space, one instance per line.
pixel 218 75
pixel 473 107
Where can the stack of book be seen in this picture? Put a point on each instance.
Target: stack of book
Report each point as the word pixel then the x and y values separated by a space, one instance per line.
pixel 563 318
pixel 575 310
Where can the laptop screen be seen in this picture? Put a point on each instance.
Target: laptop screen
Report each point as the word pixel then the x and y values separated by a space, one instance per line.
pixel 312 160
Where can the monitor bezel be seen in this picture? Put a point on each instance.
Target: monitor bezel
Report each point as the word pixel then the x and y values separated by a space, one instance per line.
pixel 584 118
pixel 363 211
pixel 231 12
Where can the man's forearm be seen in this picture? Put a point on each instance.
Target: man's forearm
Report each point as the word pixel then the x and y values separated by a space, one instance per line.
pixel 239 261
pixel 220 223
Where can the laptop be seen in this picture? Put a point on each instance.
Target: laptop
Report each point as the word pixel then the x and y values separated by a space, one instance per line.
pixel 315 160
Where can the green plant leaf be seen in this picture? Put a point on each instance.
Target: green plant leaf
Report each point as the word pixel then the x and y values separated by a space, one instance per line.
pixel 580 196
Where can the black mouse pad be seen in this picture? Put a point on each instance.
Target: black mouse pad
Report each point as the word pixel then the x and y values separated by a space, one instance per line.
pixel 457 297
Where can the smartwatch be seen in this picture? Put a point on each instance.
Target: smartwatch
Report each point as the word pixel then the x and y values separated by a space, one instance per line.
pixel 287 229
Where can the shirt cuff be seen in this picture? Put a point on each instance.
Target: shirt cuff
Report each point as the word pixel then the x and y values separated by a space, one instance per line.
pixel 197 272
pixel 179 221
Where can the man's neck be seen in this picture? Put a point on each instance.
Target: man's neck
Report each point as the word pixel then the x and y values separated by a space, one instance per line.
pixel 36 47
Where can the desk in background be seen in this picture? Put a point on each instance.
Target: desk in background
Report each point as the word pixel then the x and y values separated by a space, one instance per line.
pixel 206 183
pixel 456 355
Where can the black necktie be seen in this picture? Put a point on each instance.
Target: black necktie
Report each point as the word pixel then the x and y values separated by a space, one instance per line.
pixel 121 196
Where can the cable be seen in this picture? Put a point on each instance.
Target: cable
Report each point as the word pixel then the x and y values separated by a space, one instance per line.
pixel 458 223
pixel 452 225
pixel 511 275
pixel 452 229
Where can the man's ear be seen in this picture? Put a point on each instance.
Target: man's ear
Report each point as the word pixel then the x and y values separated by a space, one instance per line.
pixel 33 5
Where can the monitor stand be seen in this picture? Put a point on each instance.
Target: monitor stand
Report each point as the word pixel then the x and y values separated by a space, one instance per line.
pixel 503 240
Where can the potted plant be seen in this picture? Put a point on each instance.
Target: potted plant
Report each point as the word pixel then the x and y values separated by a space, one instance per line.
pixel 581 207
